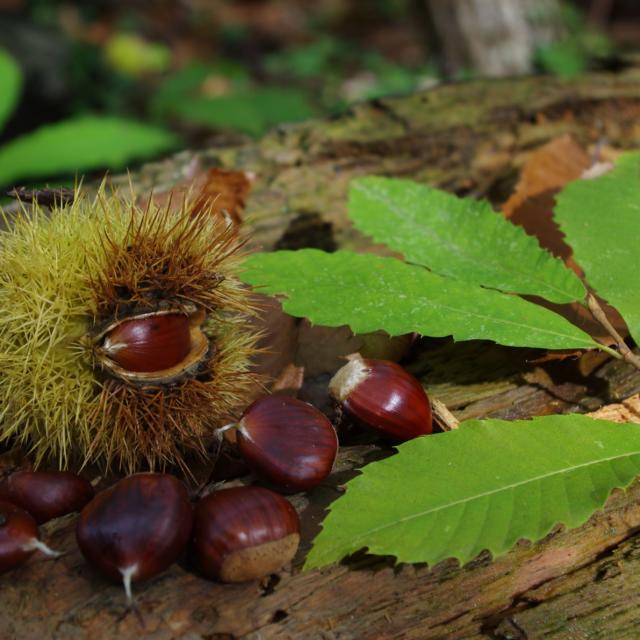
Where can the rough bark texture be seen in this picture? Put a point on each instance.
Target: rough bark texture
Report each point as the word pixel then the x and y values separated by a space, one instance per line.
pixel 581 583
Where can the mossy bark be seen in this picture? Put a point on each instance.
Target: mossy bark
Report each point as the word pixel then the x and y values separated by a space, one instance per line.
pixel 468 138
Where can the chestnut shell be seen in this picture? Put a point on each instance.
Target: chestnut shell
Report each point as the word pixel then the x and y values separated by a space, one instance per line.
pixel 288 442
pixel 46 494
pixel 17 530
pixel 143 521
pixel 158 347
pixel 244 533
pixel 382 395
pixel 149 344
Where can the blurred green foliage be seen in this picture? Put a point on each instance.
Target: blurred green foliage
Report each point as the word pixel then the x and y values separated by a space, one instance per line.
pixel 576 52
pixel 222 96
pixel 346 73
pixel 189 82
pixel 134 56
pixel 10 86
pixel 79 143
pixel 132 78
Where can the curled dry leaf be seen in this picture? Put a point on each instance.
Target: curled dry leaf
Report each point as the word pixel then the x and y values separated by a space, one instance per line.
pixel 324 349
pixel 546 171
pixel 227 190
pixel 223 191
pixel 289 381
pixel 275 361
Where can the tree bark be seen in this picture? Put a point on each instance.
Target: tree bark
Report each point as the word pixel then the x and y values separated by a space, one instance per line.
pixel 469 138
pixel 493 37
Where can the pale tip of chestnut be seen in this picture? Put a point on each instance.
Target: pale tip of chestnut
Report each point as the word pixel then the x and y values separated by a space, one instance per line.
pixel 128 573
pixel 37 545
pixel 348 377
pixel 245 564
pixel 19 537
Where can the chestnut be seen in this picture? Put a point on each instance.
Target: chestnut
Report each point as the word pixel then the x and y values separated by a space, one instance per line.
pixel 287 441
pixel 46 494
pixel 161 346
pixel 18 537
pixel 137 528
pixel 381 394
pixel 244 533
pixel 149 343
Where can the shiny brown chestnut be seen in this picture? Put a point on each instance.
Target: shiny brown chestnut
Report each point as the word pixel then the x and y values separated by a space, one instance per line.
pixel 244 533
pixel 151 343
pixel 160 346
pixel 18 537
pixel 381 394
pixel 137 528
pixel 46 494
pixel 287 441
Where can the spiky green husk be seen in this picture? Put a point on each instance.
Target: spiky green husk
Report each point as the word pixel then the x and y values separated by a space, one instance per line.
pixel 65 275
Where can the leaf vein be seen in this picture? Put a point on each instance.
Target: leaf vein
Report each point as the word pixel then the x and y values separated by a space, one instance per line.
pixel 465 257
pixel 514 485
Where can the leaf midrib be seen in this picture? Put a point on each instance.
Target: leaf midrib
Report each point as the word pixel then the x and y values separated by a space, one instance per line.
pixel 541 477
pixel 398 213
pixel 439 305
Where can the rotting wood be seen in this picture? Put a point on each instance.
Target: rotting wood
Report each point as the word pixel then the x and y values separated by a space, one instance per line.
pixel 469 138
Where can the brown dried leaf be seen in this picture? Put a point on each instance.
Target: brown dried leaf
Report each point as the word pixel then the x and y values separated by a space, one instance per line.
pixel 289 381
pixel 225 191
pixel 279 340
pixel 221 191
pixel 546 171
pixel 324 349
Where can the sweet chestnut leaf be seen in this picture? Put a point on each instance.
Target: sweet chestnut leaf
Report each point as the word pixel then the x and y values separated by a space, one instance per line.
pixel 483 486
pixel 370 292
pixel 458 237
pixel 601 219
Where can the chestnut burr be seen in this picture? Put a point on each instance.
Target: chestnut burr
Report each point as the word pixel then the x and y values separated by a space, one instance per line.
pixel 382 395
pixel 244 533
pixel 46 494
pixel 288 442
pixel 137 528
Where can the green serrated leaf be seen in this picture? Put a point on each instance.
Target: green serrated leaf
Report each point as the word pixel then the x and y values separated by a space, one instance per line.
pixel 369 292
pixel 601 219
pixel 483 486
pixel 10 86
pixel 86 142
pixel 459 237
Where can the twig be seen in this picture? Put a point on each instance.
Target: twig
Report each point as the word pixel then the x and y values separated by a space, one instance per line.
pixel 598 313
pixel 445 419
pixel 60 196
